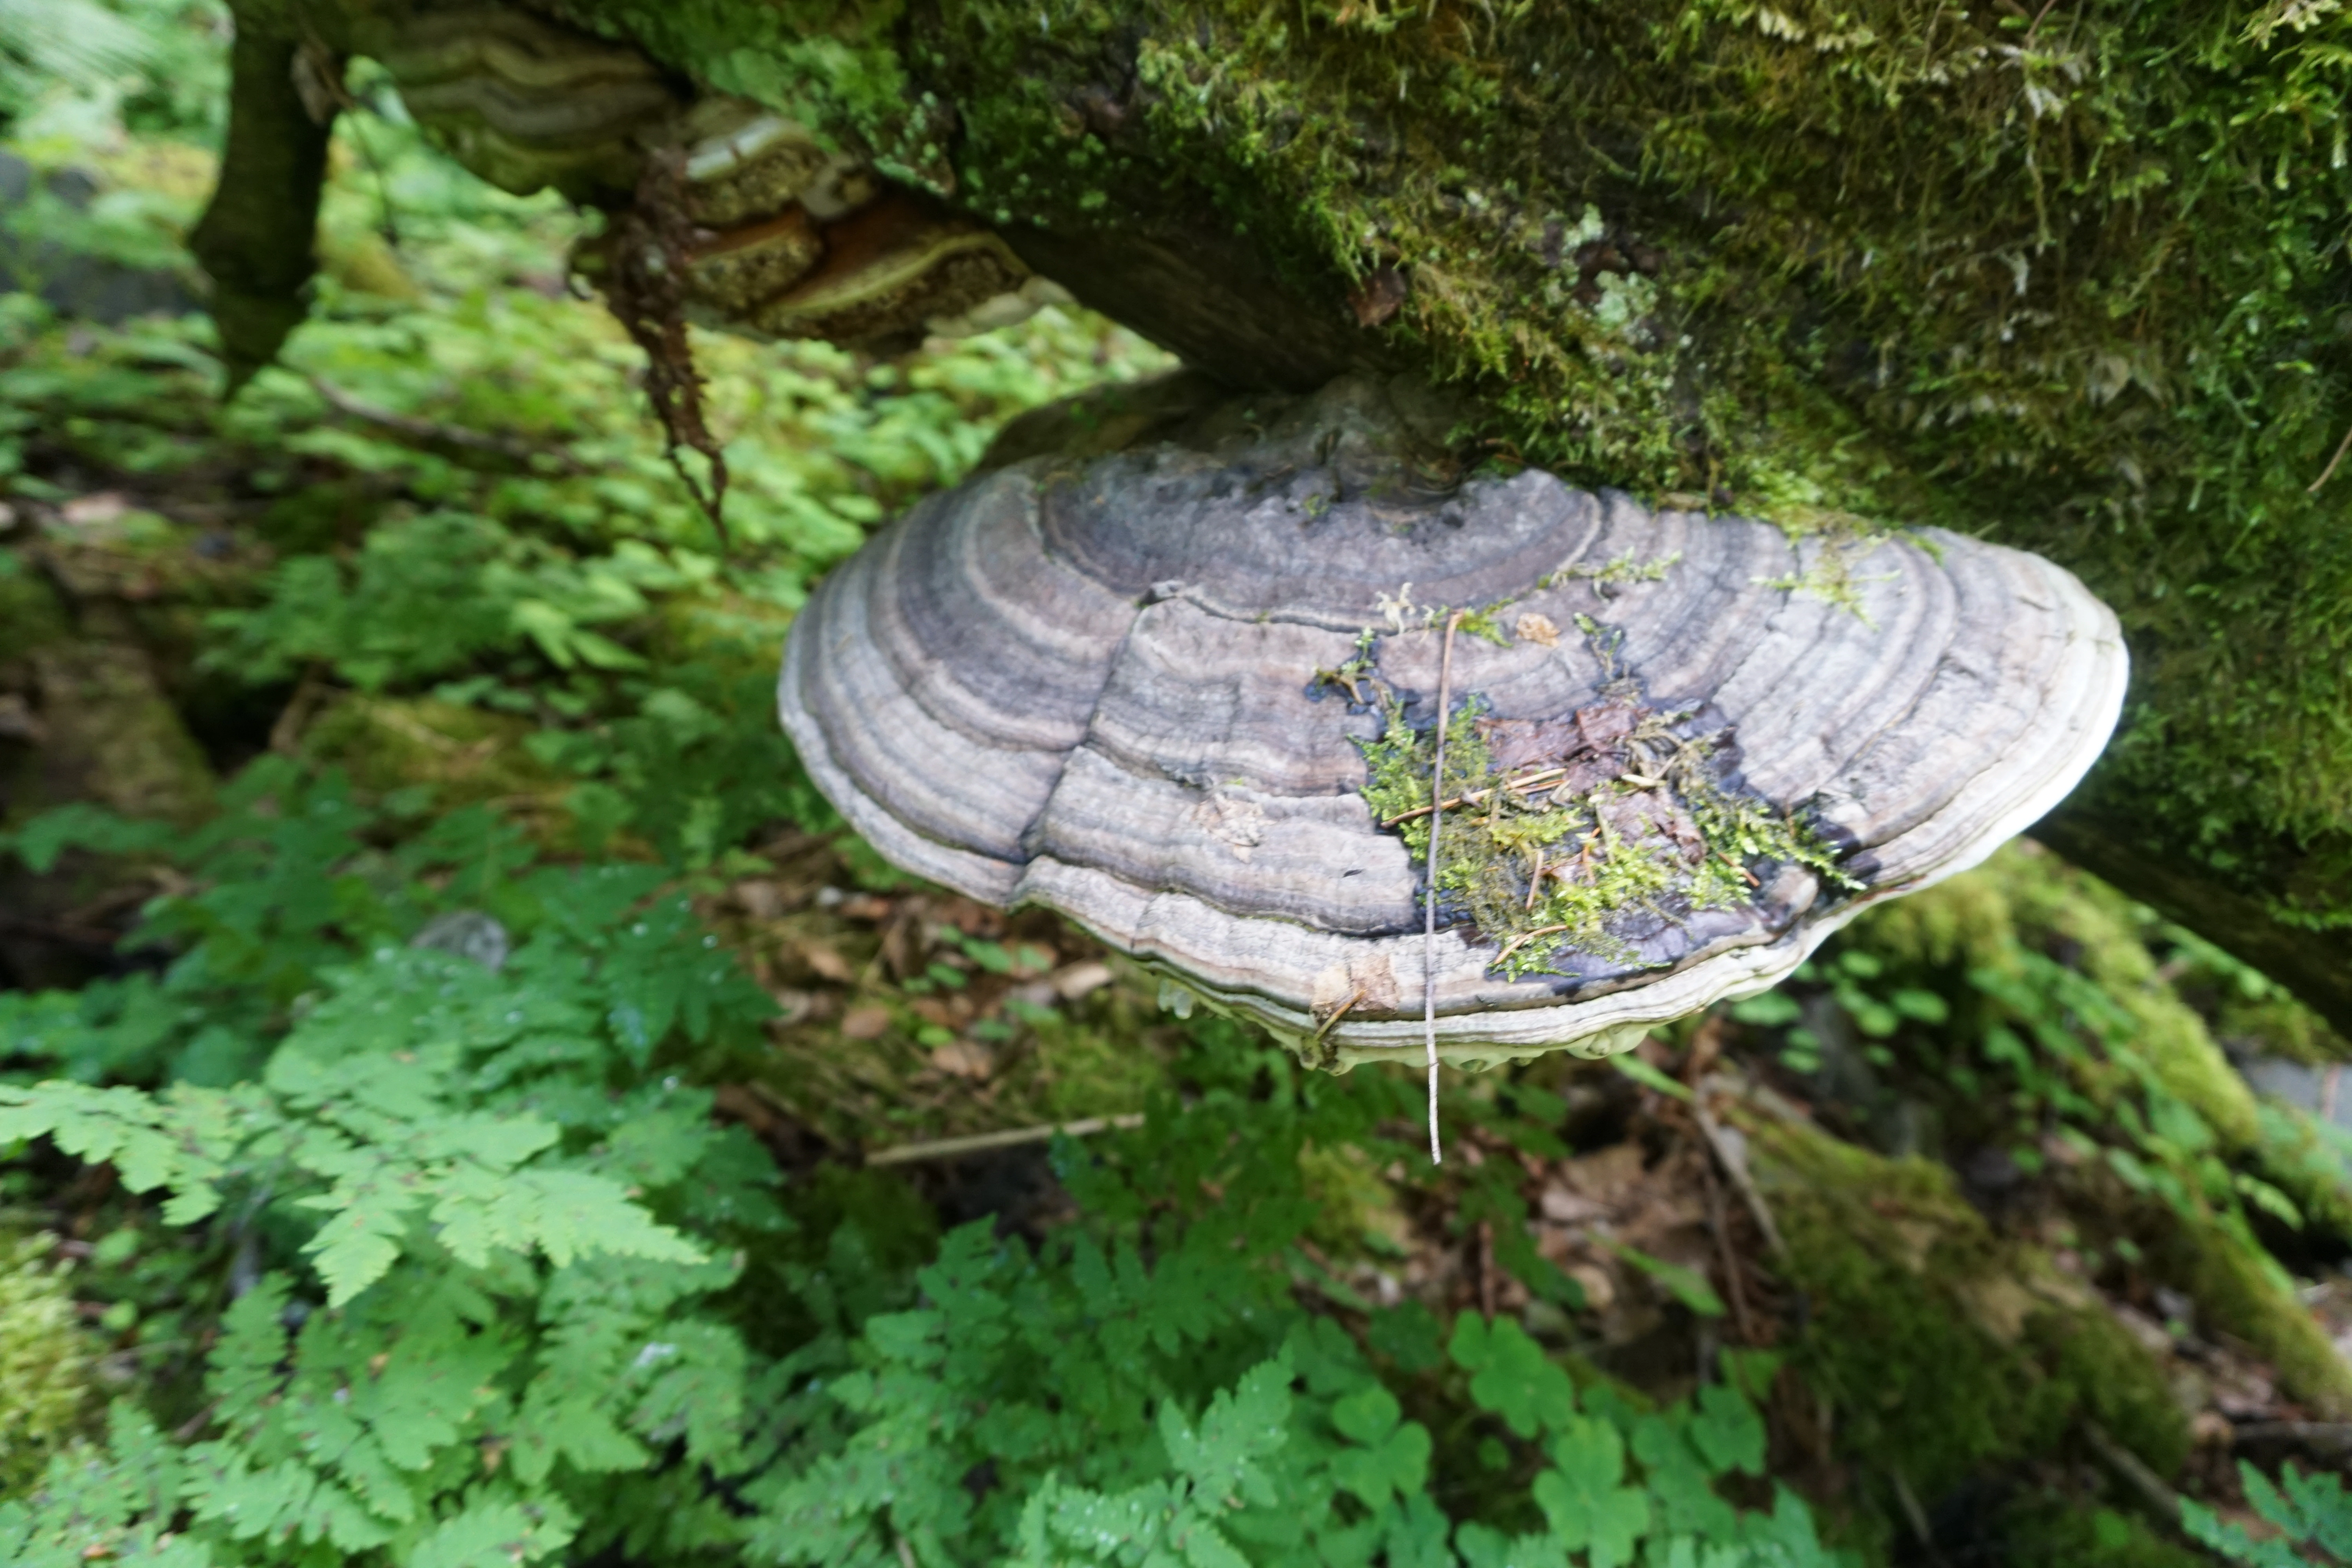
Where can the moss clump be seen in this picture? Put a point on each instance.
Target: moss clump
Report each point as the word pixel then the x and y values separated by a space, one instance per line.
pixel 1944 1347
pixel 2243 1290
pixel 1631 821
pixel 466 755
pixel 46 1363
pixel 112 732
pixel 2077 965
pixel 2112 1380
pixel 2048 1531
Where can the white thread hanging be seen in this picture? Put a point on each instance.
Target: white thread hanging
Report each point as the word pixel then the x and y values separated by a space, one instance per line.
pixel 1429 929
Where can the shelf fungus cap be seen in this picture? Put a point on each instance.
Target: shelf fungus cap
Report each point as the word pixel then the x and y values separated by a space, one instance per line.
pixel 779 235
pixel 1186 695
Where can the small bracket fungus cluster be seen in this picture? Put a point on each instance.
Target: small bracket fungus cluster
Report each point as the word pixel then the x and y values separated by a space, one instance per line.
pixel 786 237
pixel 1186 695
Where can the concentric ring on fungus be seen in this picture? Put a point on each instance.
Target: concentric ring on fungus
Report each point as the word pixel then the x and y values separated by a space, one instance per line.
pixel 1183 694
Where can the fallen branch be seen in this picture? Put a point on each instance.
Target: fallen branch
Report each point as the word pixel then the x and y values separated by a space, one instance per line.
pixel 2315 1437
pixel 1733 1158
pixel 2133 1471
pixel 60 931
pixel 442 441
pixel 1012 1138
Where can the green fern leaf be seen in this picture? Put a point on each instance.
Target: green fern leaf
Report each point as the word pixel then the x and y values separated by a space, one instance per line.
pixel 498 1534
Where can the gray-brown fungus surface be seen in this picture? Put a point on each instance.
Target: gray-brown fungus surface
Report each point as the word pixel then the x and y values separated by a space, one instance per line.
pixel 1185 694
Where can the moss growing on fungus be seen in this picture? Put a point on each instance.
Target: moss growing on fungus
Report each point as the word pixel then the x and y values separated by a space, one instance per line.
pixel 1546 859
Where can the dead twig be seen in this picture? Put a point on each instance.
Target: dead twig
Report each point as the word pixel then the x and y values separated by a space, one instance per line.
pixel 2328 472
pixel 286 733
pixel 1523 782
pixel 1731 1153
pixel 1916 1515
pixel 1012 1138
pixel 1337 1014
pixel 2133 1471
pixel 1734 1289
pixel 1524 938
pixel 442 441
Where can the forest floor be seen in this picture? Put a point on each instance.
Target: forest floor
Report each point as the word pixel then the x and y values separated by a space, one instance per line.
pixel 387 668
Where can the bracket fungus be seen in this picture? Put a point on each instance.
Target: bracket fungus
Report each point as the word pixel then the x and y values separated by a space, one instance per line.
pixel 788 236
pixel 1185 695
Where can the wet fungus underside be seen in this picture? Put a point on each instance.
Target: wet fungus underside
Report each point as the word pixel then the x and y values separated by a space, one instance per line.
pixel 1186 695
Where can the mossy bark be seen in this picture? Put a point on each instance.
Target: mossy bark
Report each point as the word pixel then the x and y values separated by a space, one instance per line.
pixel 2071 279
pixel 1945 1347
pixel 257 240
pixel 102 727
pixel 90 720
pixel 2239 912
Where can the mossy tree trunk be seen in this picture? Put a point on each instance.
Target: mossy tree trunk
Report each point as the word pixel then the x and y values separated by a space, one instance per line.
pixel 2074 279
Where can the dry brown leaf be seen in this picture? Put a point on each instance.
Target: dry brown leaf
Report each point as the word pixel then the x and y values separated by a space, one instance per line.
pixel 865 1023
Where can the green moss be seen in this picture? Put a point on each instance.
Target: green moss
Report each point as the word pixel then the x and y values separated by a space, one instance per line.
pixel 2112 1380
pixel 257 239
pixel 1960 923
pixel 2047 1531
pixel 112 734
pixel 2243 1290
pixel 2006 923
pixel 1546 872
pixel 46 1363
pixel 30 616
pixel 1945 1347
pixel 2025 901
pixel 1619 569
pixel 465 754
